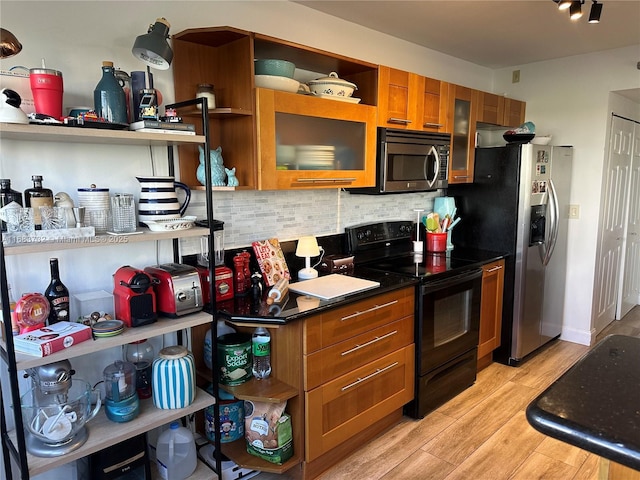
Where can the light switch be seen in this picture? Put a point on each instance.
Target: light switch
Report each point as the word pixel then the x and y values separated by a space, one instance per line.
pixel 574 211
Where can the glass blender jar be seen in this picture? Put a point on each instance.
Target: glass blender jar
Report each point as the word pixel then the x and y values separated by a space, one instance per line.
pixel 121 399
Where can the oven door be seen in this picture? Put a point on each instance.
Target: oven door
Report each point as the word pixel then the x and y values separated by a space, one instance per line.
pixel 410 167
pixel 448 319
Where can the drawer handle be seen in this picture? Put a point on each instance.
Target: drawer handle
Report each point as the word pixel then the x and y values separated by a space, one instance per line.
pixel 370 342
pixel 460 176
pixel 402 121
pixel 493 269
pixel 436 125
pixel 371 375
pixel 369 310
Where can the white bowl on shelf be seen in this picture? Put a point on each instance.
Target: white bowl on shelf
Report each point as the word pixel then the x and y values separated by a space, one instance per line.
pixel 275 82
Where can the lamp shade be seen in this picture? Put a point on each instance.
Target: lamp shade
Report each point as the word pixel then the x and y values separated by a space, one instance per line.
pixel 307 247
pixel 152 48
pixel 9 44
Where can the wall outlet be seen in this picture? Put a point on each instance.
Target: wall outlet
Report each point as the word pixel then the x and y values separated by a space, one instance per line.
pixel 515 76
pixel 574 211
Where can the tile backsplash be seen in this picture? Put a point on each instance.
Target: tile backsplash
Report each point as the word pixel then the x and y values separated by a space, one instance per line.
pixel 288 215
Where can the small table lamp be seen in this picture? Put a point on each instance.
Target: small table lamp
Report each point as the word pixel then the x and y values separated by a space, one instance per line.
pixel 307 247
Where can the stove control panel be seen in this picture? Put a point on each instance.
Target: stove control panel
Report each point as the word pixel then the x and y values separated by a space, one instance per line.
pixel 378 235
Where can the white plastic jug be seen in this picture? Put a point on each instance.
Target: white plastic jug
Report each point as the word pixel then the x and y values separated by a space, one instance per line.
pixel 176 453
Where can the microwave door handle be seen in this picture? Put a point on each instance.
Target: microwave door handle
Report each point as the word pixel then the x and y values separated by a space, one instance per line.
pixel 436 170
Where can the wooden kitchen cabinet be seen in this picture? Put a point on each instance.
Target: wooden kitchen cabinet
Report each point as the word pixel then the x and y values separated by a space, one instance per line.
pixel 514 112
pixel 491 108
pixel 224 57
pixel 461 122
pixel 409 101
pixel 345 375
pixel 308 142
pixel 490 311
pixel 359 371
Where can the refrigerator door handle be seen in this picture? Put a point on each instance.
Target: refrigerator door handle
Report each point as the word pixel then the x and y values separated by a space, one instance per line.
pixel 436 169
pixel 554 220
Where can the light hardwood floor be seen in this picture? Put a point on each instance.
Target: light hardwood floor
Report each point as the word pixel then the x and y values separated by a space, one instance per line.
pixel 483 433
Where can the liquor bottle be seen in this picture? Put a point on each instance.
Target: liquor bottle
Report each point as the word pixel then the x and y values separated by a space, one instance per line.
pixel 37 197
pixel 109 99
pixel 261 351
pixel 7 195
pixel 15 328
pixel 58 295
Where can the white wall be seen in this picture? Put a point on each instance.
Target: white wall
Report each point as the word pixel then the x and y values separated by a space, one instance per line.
pixel 569 98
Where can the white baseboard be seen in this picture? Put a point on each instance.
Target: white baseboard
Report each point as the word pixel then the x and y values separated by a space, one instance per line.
pixel 583 337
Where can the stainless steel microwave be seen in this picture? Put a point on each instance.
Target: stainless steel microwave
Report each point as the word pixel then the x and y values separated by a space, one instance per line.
pixel 410 161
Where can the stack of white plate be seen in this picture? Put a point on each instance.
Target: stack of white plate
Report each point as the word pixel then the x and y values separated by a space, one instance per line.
pixel 315 157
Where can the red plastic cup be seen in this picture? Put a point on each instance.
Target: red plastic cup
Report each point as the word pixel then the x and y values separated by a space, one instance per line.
pixel 47 89
pixel 436 242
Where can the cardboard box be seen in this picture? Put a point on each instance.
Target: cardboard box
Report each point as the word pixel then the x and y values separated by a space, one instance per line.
pixel 19 82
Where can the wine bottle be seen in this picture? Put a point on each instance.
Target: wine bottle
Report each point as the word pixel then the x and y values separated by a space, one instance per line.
pixel 37 197
pixel 58 295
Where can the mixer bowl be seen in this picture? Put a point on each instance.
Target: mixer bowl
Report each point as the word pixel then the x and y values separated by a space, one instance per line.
pixel 55 422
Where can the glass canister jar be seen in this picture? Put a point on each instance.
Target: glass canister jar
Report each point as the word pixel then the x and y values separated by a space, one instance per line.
pixel 205 90
pixel 141 355
pixel 173 378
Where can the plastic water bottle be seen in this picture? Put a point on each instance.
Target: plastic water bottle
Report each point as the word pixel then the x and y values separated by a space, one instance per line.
pixel 261 351
pixel 176 453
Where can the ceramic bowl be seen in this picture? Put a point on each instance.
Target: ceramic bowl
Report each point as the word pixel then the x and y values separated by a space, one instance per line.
pixel 277 83
pixel 332 85
pixel 278 68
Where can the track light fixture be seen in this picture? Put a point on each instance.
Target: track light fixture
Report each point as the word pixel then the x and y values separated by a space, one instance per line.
pixel 575 9
pixel 596 10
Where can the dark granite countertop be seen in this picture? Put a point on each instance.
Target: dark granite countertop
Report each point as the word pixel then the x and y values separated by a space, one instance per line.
pixel 595 405
pixel 296 306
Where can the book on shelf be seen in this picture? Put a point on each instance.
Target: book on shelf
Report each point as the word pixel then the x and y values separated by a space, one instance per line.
pixel 51 339
pixel 164 130
pixel 146 124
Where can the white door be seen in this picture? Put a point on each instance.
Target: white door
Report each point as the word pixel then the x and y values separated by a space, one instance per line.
pixel 612 222
pixel 630 288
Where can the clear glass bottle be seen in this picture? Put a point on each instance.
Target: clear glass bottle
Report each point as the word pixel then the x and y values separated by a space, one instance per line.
pixel 7 195
pixel 58 295
pixel 125 82
pixel 261 351
pixel 37 197
pixel 108 97
pixel 141 354
pixel 205 90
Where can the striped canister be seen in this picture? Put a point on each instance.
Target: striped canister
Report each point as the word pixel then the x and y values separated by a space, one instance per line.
pixel 174 378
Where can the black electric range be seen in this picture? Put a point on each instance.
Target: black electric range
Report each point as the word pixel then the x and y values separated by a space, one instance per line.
pixel 447 312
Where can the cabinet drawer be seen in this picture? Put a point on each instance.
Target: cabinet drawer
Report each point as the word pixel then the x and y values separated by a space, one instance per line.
pixel 344 357
pixel 351 403
pixel 351 320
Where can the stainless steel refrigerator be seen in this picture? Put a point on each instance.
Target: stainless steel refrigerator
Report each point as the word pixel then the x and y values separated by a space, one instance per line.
pixel 518 204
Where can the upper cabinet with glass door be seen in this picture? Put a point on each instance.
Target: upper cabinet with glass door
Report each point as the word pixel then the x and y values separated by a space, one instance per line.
pixel 463 105
pixel 308 142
